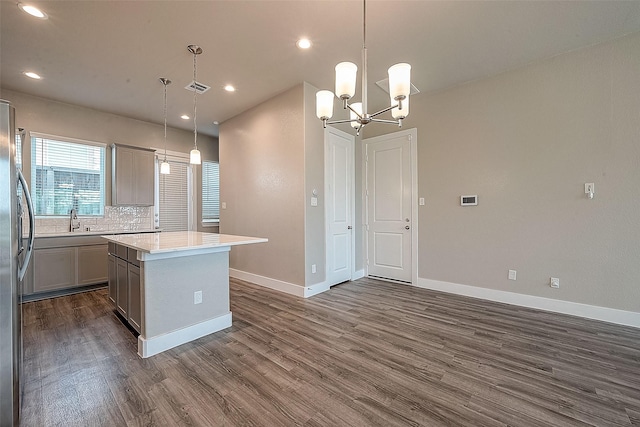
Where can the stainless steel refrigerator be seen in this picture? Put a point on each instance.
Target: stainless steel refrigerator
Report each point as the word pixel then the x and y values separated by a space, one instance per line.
pixel 15 253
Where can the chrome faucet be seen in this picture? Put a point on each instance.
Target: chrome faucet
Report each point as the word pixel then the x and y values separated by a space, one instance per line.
pixel 74 222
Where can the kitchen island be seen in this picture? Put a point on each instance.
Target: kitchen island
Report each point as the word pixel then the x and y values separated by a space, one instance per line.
pixel 172 287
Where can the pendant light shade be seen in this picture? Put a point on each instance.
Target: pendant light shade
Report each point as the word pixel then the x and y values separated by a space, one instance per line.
pixel 400 81
pixel 346 73
pixel 324 104
pixel 194 157
pixel 165 168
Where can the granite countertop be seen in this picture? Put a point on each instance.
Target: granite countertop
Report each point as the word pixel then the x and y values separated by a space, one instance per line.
pixel 93 233
pixel 173 241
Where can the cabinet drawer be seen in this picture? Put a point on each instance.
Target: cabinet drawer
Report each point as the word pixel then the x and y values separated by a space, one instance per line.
pixel 121 251
pixel 132 257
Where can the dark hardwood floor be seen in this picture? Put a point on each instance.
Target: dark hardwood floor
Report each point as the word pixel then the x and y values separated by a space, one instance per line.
pixel 366 353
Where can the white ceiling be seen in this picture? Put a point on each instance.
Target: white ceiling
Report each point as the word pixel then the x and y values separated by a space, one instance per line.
pixel 109 55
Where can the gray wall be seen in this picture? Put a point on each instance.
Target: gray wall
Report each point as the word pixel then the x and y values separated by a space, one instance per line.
pixel 526 141
pixel 315 235
pixel 262 183
pixel 56 118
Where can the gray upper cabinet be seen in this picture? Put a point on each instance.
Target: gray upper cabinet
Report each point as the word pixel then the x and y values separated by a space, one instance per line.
pixel 132 175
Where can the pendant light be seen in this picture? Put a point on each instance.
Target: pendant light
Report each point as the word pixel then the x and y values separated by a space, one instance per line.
pixel 165 167
pixel 346 75
pixel 194 156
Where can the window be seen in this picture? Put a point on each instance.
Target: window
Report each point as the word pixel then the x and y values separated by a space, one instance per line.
pixel 67 174
pixel 210 192
pixel 174 200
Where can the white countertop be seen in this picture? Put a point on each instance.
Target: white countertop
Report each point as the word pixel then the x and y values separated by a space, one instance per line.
pixel 172 241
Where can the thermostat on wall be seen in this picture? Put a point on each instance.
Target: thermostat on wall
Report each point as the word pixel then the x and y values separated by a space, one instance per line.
pixel 469 200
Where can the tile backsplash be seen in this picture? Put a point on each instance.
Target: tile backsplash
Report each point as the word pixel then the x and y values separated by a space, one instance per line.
pixel 116 218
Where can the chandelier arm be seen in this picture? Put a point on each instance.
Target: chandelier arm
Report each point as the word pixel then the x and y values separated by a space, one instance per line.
pixel 384 110
pixel 335 122
pixel 358 114
pixel 395 122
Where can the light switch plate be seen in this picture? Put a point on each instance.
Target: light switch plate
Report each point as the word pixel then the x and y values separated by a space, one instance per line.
pixel 314 201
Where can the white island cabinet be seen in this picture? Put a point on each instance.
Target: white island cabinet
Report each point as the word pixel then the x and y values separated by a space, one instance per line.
pixel 183 290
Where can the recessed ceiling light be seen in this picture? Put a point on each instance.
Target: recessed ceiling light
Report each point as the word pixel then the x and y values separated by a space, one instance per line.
pixel 184 117
pixel 229 88
pixel 303 43
pixel 32 75
pixel 216 123
pixel 32 10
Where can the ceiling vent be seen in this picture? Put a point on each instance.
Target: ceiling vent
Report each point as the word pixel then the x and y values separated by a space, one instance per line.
pixel 200 88
pixel 384 85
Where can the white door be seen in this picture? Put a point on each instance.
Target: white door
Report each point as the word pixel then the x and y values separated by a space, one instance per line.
pixel 389 196
pixel 339 181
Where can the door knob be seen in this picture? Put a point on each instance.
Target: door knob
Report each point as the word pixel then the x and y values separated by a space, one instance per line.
pixel 406 227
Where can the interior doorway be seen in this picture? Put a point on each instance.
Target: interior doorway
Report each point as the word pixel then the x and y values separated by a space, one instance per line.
pixel 339 205
pixel 391 208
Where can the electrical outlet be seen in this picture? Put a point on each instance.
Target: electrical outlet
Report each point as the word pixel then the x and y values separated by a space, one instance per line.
pixel 554 282
pixel 223 205
pixel 313 268
pixel 512 275
pixel 197 297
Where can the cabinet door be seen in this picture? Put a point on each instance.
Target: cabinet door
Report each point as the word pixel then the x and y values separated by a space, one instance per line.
pixel 135 305
pixel 112 279
pixel 54 269
pixel 92 264
pixel 144 178
pixel 122 287
pixel 123 191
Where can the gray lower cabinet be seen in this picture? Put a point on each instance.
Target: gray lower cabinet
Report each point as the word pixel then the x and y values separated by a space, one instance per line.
pixel 61 263
pixel 54 269
pixel 112 278
pixel 122 287
pixel 135 304
pixel 125 284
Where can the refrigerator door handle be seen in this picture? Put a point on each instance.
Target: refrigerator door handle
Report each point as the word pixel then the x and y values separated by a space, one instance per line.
pixel 32 225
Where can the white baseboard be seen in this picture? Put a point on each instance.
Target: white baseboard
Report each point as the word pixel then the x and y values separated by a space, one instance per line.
pixel 612 315
pixel 279 285
pixel 147 347
pixel 268 282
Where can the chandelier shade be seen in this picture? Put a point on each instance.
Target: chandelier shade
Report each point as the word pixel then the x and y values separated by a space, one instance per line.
pixel 399 81
pixel 346 76
pixel 356 111
pixel 397 113
pixel 324 104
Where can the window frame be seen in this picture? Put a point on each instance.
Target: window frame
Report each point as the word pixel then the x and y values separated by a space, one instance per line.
pixel 34 169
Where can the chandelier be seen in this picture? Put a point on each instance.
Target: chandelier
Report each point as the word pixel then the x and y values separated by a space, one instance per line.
pixel 165 168
pixel 194 155
pixel 399 89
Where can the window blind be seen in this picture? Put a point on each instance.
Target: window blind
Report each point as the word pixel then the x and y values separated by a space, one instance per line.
pixel 210 191
pixel 173 197
pixel 67 174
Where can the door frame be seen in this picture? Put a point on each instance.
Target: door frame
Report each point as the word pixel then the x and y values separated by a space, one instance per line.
pixel 413 143
pixel 352 189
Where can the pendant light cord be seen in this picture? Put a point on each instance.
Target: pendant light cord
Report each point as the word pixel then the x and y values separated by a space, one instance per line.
pixel 165 121
pixel 364 24
pixel 195 103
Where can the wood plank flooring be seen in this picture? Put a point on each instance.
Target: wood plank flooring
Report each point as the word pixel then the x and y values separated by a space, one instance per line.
pixel 365 353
